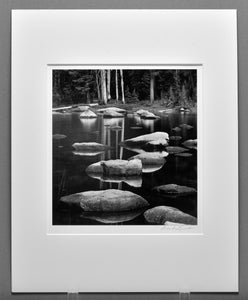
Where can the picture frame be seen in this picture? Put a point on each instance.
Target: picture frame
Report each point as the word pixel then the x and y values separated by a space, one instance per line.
pixel 75 261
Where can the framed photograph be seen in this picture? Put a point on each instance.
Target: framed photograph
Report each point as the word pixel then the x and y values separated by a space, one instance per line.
pixel 124 132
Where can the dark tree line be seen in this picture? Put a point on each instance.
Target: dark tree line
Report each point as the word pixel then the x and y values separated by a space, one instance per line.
pixel 172 87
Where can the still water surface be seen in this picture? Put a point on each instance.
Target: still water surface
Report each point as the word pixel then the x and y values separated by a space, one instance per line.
pixel 69 174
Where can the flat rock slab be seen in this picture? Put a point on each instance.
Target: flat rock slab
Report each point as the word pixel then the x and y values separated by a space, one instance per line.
pixel 175 149
pixel 58 136
pixel 107 200
pixel 117 109
pixel 88 114
pixel 174 189
pixel 146 138
pixel 89 146
pixel 161 214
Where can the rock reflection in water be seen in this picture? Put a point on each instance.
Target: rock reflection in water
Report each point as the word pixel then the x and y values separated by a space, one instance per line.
pixel 112 217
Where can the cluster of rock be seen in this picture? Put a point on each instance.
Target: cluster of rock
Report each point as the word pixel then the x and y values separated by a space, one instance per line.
pixel 113 205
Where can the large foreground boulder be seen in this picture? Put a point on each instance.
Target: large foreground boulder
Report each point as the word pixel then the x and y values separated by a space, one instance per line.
pixel 106 200
pixel 174 190
pixel 161 214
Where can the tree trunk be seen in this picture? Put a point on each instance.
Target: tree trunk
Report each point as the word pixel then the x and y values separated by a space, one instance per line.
pixel 103 86
pixel 122 87
pixel 151 87
pixel 98 86
pixel 108 83
pixel 116 85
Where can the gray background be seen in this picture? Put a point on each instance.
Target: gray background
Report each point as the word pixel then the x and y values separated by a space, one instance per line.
pixel 5 126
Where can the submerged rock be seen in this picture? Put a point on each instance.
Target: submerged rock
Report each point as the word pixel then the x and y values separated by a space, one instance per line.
pixel 161 214
pixel 175 149
pixel 151 161
pixel 106 200
pixel 89 146
pixel 176 129
pixel 175 138
pixel 112 217
pixel 184 154
pixel 186 126
pixel 192 144
pixel 174 189
pixel 88 114
pixel 58 136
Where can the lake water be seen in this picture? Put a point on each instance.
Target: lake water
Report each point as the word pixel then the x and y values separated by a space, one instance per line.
pixel 69 174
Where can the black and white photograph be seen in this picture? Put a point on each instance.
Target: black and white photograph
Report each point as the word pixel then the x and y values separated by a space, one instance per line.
pixel 124 146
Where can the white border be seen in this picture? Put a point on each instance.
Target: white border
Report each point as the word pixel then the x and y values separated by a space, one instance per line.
pixel 124 263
